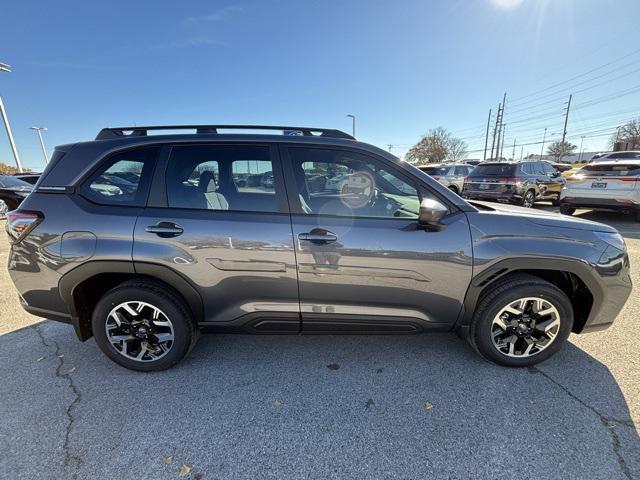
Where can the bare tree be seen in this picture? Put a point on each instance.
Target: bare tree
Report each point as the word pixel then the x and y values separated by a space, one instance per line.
pixel 559 149
pixel 457 149
pixel 435 146
pixel 630 133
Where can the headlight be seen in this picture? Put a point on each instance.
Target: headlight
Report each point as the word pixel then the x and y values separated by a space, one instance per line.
pixel 613 239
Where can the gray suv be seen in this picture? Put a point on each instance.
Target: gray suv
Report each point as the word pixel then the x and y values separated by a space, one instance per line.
pixel 143 241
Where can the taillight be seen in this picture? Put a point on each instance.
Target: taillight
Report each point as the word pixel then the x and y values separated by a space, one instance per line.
pixel 510 180
pixel 20 223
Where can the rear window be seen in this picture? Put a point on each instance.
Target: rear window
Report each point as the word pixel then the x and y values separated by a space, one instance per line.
pixel 617 170
pixel 12 182
pixel 435 170
pixel 489 170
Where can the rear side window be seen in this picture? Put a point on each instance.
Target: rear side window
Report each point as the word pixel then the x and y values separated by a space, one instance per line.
pixel 123 179
pixel 222 177
pixel 618 170
pixel 493 170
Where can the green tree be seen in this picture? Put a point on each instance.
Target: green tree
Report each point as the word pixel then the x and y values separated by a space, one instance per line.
pixel 559 149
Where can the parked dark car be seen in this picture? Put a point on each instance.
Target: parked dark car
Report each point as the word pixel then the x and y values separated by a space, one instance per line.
pixel 12 192
pixel 521 183
pixel 145 269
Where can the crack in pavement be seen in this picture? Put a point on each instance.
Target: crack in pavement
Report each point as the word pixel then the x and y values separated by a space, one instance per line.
pixel 70 460
pixel 609 423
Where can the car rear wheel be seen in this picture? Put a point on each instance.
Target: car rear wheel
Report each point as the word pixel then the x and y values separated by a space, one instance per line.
pixel 529 199
pixel 454 189
pixel 143 326
pixel 567 210
pixel 521 322
pixel 3 209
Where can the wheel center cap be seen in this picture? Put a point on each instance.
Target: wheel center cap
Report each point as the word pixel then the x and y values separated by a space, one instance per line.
pixel 523 328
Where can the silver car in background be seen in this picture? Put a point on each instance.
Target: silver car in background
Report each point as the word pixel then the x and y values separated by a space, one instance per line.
pixel 451 175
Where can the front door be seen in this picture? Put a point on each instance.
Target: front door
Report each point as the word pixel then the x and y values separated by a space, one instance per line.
pixel 363 263
pixel 218 217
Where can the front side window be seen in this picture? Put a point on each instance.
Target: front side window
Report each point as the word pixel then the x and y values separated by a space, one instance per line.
pixel 344 183
pixel 221 177
pixel 124 179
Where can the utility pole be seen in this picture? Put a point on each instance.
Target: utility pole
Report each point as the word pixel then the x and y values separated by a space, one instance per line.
pixel 390 145
pixel 39 131
pixel 495 129
pixel 513 154
pixel 581 142
pixel 6 68
pixel 504 130
pixel 521 152
pixel 566 119
pixel 486 137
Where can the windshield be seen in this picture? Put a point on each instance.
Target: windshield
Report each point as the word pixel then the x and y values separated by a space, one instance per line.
pixel 493 169
pixel 7 181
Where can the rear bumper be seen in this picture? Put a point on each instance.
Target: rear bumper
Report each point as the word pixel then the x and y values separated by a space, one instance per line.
pixel 594 202
pixel 505 197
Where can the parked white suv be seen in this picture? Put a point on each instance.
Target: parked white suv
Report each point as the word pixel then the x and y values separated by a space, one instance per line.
pixel 608 157
pixel 612 185
pixel 451 175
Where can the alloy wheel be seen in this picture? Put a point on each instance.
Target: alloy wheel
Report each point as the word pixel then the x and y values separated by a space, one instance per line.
pixel 139 331
pixel 525 327
pixel 3 209
pixel 528 199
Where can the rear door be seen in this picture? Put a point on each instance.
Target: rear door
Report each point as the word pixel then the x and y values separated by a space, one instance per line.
pixel 363 263
pixel 218 217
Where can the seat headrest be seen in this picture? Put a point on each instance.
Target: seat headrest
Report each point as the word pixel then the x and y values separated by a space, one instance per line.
pixel 207 181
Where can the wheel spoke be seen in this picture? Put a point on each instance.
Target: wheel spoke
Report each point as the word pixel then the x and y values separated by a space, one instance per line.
pixel 164 337
pixel 120 338
pixel 129 310
pixel 548 325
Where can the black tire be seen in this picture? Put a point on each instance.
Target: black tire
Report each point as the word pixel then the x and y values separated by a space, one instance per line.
pixel 637 215
pixel 185 330
pixel 529 198
pixel 11 204
pixel 454 189
pixel 556 202
pixel 567 210
pixel 509 290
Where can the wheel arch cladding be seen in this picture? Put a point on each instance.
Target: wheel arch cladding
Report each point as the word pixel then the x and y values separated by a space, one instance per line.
pixel 82 287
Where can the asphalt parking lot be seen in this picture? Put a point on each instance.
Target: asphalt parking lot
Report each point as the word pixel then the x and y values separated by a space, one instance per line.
pixel 240 406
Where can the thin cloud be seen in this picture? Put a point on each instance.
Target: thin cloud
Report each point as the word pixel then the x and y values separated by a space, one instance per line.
pixel 74 66
pixel 217 16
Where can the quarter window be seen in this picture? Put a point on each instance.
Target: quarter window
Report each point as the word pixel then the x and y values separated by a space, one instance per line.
pixel 343 183
pixel 124 179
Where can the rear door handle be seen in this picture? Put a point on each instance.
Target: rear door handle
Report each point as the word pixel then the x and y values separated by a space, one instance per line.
pixel 165 229
pixel 316 237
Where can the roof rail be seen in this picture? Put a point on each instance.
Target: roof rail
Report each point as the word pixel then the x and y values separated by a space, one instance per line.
pixel 119 132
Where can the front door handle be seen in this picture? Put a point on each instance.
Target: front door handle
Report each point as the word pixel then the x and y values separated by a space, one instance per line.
pixel 315 236
pixel 165 229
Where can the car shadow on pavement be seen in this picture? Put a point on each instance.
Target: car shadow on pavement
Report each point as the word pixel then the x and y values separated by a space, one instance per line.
pixel 244 406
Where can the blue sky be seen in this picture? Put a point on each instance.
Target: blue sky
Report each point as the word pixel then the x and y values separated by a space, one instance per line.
pixel 401 66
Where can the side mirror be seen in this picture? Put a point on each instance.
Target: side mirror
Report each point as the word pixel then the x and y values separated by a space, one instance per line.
pixel 431 212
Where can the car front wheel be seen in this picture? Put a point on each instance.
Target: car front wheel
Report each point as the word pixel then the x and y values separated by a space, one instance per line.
pixel 143 326
pixel 521 322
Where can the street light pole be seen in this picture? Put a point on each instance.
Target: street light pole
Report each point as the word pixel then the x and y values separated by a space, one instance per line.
pixel 353 125
pixel 581 141
pixel 544 137
pixel 39 131
pixel 6 68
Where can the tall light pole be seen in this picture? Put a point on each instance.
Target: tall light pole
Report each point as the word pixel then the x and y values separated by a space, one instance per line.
pixel 6 68
pixel 353 124
pixel 544 137
pixel 581 140
pixel 39 131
